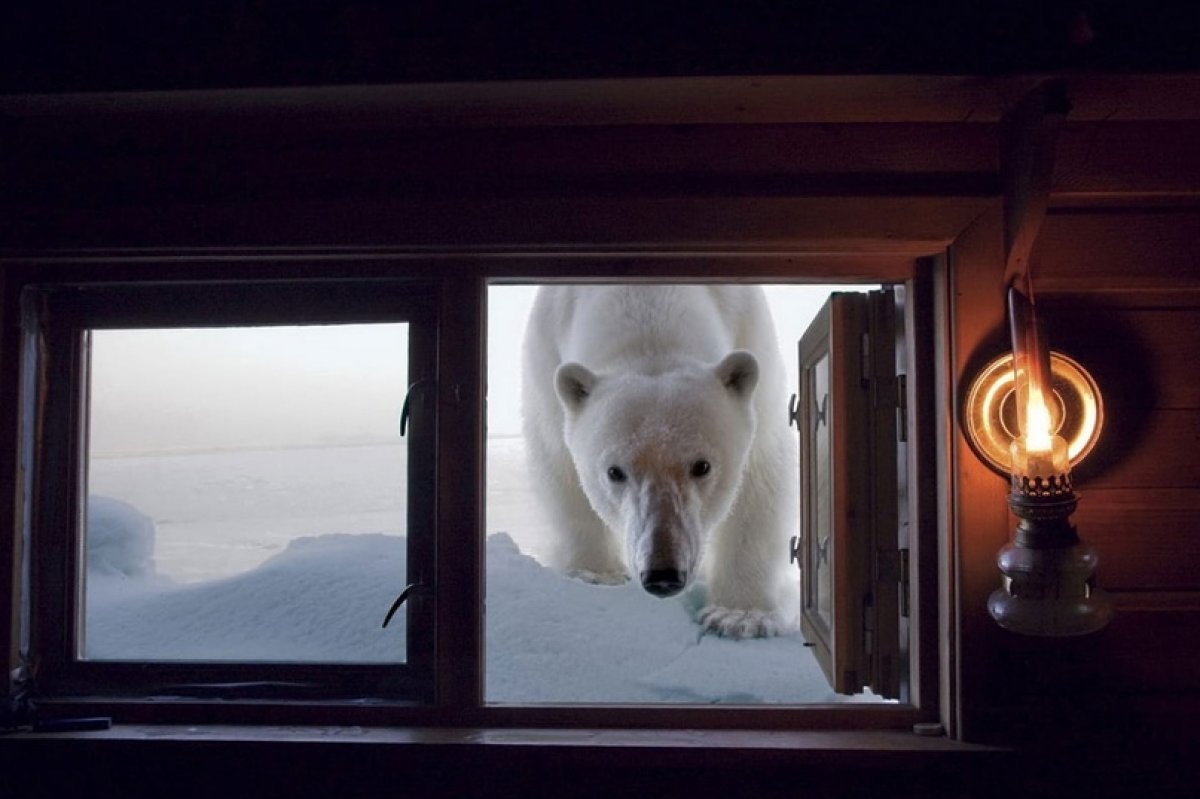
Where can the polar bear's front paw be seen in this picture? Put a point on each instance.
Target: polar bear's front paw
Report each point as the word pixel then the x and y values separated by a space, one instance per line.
pixel 600 578
pixel 738 623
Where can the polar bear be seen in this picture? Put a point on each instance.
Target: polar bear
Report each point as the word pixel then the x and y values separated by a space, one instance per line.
pixel 654 418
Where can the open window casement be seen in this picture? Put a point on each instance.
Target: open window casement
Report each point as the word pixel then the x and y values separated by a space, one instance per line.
pixel 853 544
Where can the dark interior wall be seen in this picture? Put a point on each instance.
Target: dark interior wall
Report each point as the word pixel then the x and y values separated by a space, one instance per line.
pixel 1116 262
pixel 1119 282
pixel 72 45
pixel 1116 266
pixel 1122 291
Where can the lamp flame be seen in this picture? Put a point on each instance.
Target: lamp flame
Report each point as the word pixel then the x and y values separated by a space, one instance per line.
pixel 1038 426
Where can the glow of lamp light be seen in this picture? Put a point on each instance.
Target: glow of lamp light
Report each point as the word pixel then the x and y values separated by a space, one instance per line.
pixel 1037 422
pixel 1038 453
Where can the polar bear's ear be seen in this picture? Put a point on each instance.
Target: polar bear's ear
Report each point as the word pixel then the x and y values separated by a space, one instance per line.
pixel 738 372
pixel 573 382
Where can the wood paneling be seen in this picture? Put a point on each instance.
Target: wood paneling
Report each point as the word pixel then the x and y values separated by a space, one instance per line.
pixel 1147 539
pixel 1165 453
pixel 648 102
pixel 1117 679
pixel 779 99
pixel 1112 159
pixel 1140 490
pixel 1118 252
pixel 76 164
pixel 1169 338
pixel 1120 290
pixel 911 226
pixel 1150 650
pixel 979 523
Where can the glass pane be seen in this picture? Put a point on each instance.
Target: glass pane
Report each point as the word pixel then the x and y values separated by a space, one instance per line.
pixel 823 495
pixel 247 494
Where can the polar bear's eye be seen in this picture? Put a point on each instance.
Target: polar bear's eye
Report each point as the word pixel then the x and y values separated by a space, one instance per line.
pixel 616 474
pixel 701 468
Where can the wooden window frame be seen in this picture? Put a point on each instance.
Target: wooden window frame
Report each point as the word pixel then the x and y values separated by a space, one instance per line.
pixel 459 295
pixel 57 317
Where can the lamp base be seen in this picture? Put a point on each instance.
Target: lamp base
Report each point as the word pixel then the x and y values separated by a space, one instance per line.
pixel 1049 592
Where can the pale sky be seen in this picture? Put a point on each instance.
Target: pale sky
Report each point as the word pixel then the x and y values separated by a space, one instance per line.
pixel 219 388
pixel 181 389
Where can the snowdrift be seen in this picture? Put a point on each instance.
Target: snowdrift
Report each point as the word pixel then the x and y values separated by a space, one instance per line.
pixel 549 638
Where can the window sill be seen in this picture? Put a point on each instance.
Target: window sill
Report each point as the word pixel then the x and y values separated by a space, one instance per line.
pixel 576 746
pixel 133 760
pixel 219 760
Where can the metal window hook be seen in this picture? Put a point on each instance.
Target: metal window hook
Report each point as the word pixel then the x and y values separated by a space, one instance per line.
pixel 410 589
pixel 407 400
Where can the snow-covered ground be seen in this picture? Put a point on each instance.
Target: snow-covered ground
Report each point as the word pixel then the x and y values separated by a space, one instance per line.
pixel 295 555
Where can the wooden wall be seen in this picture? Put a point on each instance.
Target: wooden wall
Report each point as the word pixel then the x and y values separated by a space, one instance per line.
pixel 1126 291
pixel 1117 264
pixel 1120 285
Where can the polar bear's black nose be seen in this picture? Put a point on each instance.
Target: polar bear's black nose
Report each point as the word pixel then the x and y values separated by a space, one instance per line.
pixel 663 582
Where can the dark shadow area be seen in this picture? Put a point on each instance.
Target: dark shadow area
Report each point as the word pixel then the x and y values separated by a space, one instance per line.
pixel 1110 348
pixel 69 45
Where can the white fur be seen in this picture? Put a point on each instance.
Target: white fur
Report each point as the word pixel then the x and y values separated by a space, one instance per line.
pixel 652 379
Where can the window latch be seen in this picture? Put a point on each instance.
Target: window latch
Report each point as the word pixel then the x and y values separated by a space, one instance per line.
pixel 404 411
pixel 795 549
pixel 410 589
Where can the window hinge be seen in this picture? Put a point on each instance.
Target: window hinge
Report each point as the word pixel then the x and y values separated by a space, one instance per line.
pixel 865 363
pixel 17 709
pixel 891 566
pixel 902 408
pixel 868 625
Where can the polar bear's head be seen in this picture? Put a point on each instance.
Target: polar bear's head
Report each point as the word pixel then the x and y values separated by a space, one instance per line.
pixel 661 456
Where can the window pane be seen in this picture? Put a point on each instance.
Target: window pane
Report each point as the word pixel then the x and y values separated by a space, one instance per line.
pixel 247 494
pixel 822 497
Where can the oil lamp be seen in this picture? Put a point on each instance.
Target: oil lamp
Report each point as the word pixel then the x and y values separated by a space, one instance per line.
pixel 1048 573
